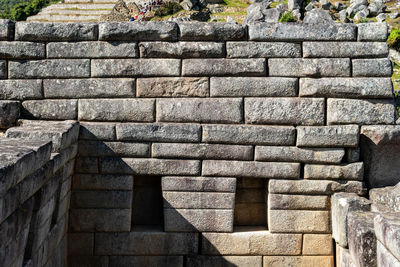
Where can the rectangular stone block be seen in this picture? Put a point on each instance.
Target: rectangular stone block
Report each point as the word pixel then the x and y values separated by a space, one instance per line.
pixel 132 261
pixel 89 88
pixel 297 202
pixel 277 261
pixel 80 244
pixel 172 87
pixel 387 231
pixel 135 67
pixel 296 154
pixel 381 67
pixel 158 132
pixel 182 49
pixel 150 166
pixel 372 31
pixel 198 200
pixel 139 31
pixel 97 131
pixel 328 136
pixel 317 244
pixel 87 165
pixel 251 241
pixel 22 50
pixel 116 110
pixel 302 32
pixel 203 184
pixel 353 171
pixel 262 49
pixel 50 109
pixel 87 260
pixel 299 221
pixel 9 113
pixel 249 135
pixel 309 67
pixel 384 257
pixel 20 89
pixel 49 68
pixel 251 169
pixel 223 261
pixel 92 50
pixel 345 49
pixel 225 110
pixel 224 67
pixel 252 86
pixel 197 31
pixel 100 220
pixel 146 243
pixel 343 258
pixel 292 111
pixel 347 87
pixel 198 220
pixel 27 31
pixel 113 149
pixel 202 151
pixel 101 199
pixel 102 182
pixel 347 111
pixel 6 29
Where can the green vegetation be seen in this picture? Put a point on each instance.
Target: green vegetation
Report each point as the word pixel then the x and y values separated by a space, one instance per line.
pixel 287 17
pixel 23 10
pixel 236 3
pixel 394 39
pixel 275 4
pixel 168 8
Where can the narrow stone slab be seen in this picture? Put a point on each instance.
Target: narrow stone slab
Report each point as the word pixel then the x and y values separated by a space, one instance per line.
pixel 6 29
pixel 100 220
pixel 113 149
pixel 182 49
pixel 299 221
pixel 387 230
pixel 253 86
pixel 198 200
pixel 345 49
pixel 224 261
pixel 102 182
pixel 199 184
pixel 353 171
pixel 262 49
pixel 101 199
pixel 3 69
pixel 224 67
pixel 22 50
pixel 297 202
pixel 117 261
pixel 328 136
pixel 299 261
pixel 372 31
pixel 199 31
pixel 314 187
pixel 97 131
pixel 292 111
pixel 51 109
pixel 172 87
pixel 381 67
pixel 20 89
pixel 251 169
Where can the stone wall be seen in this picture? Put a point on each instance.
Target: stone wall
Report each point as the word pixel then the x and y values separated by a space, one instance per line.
pixel 203 144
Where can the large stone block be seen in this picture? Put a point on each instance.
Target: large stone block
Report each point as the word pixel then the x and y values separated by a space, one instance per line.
pixel 249 135
pixel 347 87
pixel 182 49
pixel 381 67
pixel 384 257
pixel 328 136
pixel 87 165
pixel 113 149
pixel 202 151
pixel 307 67
pixel 345 49
pixel 116 110
pixel 353 171
pixel 102 182
pixel 225 110
pixel 346 111
pixel 372 31
pixel 251 241
pixel 92 50
pixel 158 132
pixel 387 231
pixel 315 244
pixel 50 109
pixel 203 184
pixel 132 261
pixel 297 202
pixel 9 113
pixel 302 32
pixel 198 200
pixel 278 261
pixel 22 50
pixel 135 67
pixel 252 86
pixel 88 260
pixel 292 111
pixel 101 199
pixel 251 169
pixel 21 89
pixel 385 199
pixel 299 221
pixel 262 49
pixel 80 244
pixel 6 29
pixel 296 154
pixel 223 261
pixel 49 68
pixel 88 88
pixel 97 131
pixel 197 31
pixel 343 258
pixel 100 220
pixel 172 87
pixel 224 67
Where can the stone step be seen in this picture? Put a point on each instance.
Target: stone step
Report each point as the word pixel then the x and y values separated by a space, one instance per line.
pixel 88 6
pixel 74 12
pixel 64 18
pixel 88 1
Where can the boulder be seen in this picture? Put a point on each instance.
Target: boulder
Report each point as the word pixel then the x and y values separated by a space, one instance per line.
pixel 325 4
pixel 386 199
pixel 376 7
pixel 343 16
pixel 294 4
pixel 381 17
pixel 188 4
pixel 394 14
pixel 361 14
pixel 318 16
pixel 259 12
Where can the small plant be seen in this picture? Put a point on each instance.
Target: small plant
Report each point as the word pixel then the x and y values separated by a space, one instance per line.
pixel 168 8
pixel 287 17
pixel 394 39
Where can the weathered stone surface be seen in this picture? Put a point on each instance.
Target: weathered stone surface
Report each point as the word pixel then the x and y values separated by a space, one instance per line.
pixel 113 149
pixel 97 131
pixel 277 261
pixel 345 49
pixel 252 86
pixel 150 166
pixel 3 69
pixel 135 67
pixel 197 31
pixel 88 88
pixel 138 31
pixel 182 49
pixel 172 87
pixel 103 220
pixel 198 200
pixel 361 238
pixel 49 68
pixel 262 49
pixel 88 260
pixel 132 261
pixel 299 221
pixel 387 231
pixel 198 220
pixel 26 31
pixel 116 110
pixel 372 31
pixel 22 50
pixel 160 132
pixel 226 110
pixel 87 165
pixel 92 50
pixel 80 243
pixel 251 169
pixel 101 199
pixel 246 134
pixel 224 67
pixel 347 87
pixel 385 199
pixel 9 113
pixel 295 202
pixel 146 243
pixel 353 171
pixel 202 151
pixel 50 109
pixel 251 241
pixel 381 67
pixel 314 244
pixel 342 205
pixel 102 182
pixel 203 184
pixel 384 257
pixel 6 29
pixel 343 257
pixel 328 136
pixel 302 32
pixel 309 67
pixel 293 111
pixel 346 111
pixel 20 89
pixel 224 261
pixel 296 154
